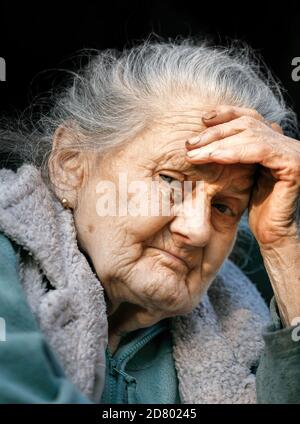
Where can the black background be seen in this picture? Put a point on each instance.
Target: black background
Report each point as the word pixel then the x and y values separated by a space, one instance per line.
pixel 40 36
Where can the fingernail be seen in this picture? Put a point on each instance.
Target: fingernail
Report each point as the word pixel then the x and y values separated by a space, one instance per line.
pixel 209 115
pixel 193 140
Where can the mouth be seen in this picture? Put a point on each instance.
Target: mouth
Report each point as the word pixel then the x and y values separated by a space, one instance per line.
pixel 172 256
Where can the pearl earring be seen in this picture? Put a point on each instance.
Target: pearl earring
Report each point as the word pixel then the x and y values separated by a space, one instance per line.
pixel 65 203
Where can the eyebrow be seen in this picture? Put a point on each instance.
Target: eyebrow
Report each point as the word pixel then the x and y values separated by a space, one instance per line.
pixel 184 167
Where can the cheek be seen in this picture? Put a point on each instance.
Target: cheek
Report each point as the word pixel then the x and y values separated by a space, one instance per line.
pixel 143 228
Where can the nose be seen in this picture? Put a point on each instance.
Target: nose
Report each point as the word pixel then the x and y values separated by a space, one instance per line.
pixel 192 221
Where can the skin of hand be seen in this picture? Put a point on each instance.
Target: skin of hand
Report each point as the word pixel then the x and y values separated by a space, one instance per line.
pixel 242 136
pixel 152 267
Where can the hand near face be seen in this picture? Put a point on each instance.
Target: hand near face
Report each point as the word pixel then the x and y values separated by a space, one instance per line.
pixel 239 135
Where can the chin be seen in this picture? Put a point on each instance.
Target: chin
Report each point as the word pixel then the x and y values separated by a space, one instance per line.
pixel 161 284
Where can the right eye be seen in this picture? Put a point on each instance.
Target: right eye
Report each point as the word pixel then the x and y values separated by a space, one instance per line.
pixel 171 187
pixel 167 178
pixel 224 209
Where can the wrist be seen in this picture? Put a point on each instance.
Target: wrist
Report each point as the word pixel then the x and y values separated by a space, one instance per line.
pixel 282 265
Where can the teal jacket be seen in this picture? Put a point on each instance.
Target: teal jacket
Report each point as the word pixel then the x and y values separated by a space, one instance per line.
pixel 132 372
pixel 141 370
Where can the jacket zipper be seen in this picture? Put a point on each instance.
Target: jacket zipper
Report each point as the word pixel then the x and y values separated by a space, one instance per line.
pixel 115 364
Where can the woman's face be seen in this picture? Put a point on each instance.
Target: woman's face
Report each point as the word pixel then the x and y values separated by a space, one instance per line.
pixel 160 262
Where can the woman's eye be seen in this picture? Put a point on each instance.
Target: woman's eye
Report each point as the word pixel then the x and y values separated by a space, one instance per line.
pixel 224 209
pixel 167 178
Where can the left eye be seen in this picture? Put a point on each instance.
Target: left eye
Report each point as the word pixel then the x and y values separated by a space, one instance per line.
pixel 167 178
pixel 224 209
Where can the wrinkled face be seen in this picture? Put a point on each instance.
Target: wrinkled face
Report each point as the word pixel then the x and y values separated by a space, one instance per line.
pixel 167 262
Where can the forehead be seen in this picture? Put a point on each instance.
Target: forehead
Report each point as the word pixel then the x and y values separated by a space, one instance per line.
pixel 163 145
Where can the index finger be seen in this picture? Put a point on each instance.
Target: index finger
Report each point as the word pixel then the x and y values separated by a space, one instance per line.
pixel 226 113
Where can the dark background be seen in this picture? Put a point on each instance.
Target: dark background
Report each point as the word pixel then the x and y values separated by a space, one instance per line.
pixel 40 36
pixel 36 36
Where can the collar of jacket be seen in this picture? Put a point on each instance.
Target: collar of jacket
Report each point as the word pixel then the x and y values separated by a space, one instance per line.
pixel 214 346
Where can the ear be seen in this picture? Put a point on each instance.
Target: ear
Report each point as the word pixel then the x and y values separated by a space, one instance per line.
pixel 67 164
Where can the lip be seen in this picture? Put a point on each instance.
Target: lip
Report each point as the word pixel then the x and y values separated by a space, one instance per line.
pixel 178 259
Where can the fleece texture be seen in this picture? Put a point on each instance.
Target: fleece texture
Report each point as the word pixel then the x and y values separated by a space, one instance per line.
pixel 216 347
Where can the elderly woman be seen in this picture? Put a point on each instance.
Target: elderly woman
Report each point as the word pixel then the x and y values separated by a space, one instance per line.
pixel 103 304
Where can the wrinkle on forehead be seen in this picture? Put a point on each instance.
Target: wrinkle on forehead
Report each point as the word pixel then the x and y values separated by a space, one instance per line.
pixel 187 120
pixel 162 147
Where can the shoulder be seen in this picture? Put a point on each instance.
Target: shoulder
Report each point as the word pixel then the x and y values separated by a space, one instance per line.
pixel 7 251
pixel 13 302
pixel 14 185
pixel 9 266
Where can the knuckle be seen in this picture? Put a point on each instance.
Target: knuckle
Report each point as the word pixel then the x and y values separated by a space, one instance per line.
pixel 255 115
pixel 218 132
pixel 227 109
pixel 243 153
pixel 265 149
pixel 249 121
pixel 232 112
pixel 296 167
pixel 213 133
pixel 276 127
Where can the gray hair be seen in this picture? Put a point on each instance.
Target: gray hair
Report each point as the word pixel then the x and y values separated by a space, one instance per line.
pixel 117 94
